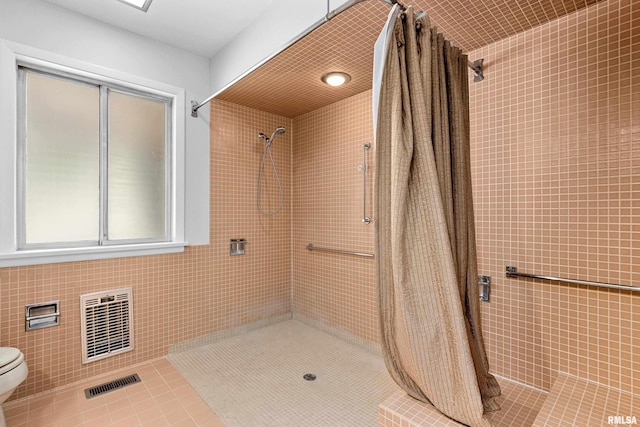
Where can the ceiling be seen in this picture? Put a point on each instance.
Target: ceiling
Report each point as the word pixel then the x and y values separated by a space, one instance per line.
pixel 289 84
pixel 199 26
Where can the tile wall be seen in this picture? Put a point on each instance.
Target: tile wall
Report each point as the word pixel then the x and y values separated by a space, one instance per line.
pixel 556 169
pixel 335 289
pixel 178 296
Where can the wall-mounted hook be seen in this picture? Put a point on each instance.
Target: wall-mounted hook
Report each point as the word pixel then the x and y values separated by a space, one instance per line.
pixel 476 66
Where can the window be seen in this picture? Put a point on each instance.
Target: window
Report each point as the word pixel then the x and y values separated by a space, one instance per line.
pixel 92 161
pixel 95 163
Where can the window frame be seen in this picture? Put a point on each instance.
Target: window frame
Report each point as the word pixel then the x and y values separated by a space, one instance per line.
pixel 13 56
pixel 104 91
pixel 105 241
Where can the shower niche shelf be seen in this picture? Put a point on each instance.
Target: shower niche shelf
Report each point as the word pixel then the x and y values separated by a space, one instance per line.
pixel 236 246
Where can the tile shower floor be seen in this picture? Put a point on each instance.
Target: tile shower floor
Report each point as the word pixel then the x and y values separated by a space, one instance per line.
pixel 256 379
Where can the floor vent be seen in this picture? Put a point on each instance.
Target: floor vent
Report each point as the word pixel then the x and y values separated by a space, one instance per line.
pixel 106 321
pixel 111 385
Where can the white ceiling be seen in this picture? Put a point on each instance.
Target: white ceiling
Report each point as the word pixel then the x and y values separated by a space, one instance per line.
pixel 198 26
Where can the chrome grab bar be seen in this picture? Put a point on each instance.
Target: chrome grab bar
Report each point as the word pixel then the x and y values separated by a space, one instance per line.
pixel 513 272
pixel 310 247
pixel 365 218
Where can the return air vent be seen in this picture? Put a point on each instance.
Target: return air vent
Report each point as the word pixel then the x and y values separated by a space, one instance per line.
pixel 106 320
pixel 111 385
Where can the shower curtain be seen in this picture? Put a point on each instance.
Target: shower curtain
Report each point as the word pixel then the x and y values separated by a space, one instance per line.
pixel 425 238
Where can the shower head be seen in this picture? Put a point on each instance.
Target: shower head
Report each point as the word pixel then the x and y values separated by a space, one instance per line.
pixel 279 131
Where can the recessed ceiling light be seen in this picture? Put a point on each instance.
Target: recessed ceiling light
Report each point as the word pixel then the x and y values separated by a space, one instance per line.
pixel 336 78
pixel 138 4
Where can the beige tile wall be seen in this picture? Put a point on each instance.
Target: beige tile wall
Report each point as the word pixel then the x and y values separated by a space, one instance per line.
pixel 179 296
pixel 337 290
pixel 556 169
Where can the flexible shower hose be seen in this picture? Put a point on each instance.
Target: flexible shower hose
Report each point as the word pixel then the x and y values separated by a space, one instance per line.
pixel 267 149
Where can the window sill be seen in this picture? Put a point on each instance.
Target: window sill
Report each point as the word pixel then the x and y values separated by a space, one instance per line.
pixel 49 256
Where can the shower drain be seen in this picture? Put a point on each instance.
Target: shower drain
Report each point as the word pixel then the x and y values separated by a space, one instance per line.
pixel 309 377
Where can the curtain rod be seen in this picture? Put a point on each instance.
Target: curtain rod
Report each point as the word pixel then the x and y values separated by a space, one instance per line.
pixel 195 105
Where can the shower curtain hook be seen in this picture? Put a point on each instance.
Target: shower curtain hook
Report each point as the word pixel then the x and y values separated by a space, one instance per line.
pixel 402 7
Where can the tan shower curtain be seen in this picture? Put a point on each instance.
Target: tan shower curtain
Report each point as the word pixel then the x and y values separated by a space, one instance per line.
pixel 425 237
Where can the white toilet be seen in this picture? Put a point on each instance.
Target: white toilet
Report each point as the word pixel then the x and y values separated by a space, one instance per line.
pixel 13 370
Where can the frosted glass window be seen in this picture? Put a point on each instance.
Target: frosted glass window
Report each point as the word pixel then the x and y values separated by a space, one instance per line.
pixel 61 166
pixel 137 168
pixel 96 167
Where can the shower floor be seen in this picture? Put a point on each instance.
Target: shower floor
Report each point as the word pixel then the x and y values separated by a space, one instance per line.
pixel 256 379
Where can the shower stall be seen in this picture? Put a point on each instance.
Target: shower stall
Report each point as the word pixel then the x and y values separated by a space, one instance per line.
pixel 307 312
pixel 532 333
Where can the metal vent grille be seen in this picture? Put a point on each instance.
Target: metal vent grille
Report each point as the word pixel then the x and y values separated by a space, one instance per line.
pixel 106 324
pixel 111 385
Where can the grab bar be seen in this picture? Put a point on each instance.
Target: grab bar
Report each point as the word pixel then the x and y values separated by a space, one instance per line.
pixel 365 218
pixel 513 272
pixel 310 247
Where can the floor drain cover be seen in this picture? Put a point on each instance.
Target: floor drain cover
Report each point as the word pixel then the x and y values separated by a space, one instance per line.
pixel 309 377
pixel 110 386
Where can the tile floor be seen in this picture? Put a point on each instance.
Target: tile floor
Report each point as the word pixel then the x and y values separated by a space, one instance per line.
pixel 261 375
pixel 256 379
pixel 275 357
pixel 162 398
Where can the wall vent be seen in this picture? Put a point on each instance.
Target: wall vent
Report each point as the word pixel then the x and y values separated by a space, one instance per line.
pixel 106 320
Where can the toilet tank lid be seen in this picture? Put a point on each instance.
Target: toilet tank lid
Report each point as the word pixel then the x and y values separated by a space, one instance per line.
pixel 8 355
